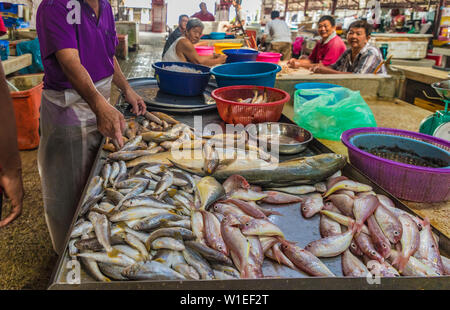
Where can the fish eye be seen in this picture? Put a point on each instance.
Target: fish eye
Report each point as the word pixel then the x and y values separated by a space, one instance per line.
pixel 373 253
pixel 304 209
pixel 384 246
pixel 396 233
pixel 353 245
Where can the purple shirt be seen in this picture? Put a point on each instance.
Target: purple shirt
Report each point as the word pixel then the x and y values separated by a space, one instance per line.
pixel 96 42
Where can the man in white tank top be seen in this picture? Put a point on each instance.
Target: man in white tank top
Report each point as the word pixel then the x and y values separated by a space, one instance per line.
pixel 183 50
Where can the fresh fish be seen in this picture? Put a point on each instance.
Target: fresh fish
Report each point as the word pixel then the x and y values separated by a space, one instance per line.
pixel 331 246
pixel 95 187
pixel 166 118
pixel 328 227
pixel 90 203
pixel 173 232
pixel 106 172
pixel 112 271
pixel 230 271
pixel 119 259
pixel 169 257
pixel 114 196
pixel 367 247
pixel 267 242
pixel 93 269
pixel 410 241
pixel 248 195
pixel 130 155
pixel 136 213
pixel 209 253
pixel 381 242
pixel 295 190
pixel 305 261
pixel 227 209
pixel 380 269
pixel 305 170
pixel 235 182
pixel 348 185
pixel 261 227
pixel 389 224
pixel 343 202
pixel 220 275
pixel 73 250
pixel 186 176
pixel 211 159
pixel 115 169
pixel 275 253
pixel 102 228
pixel 132 143
pixel 198 263
pixel 129 183
pixel 145 201
pixel 267 212
pixel 256 250
pixel 209 191
pixel 92 244
pixel 198 226
pixel 152 118
pixel 129 251
pixel 311 205
pixel 354 248
pixel 142 236
pixel 165 182
pixel 167 243
pixel 82 228
pixel 250 207
pixel 350 194
pixel 213 234
pixel 320 187
pixel 187 271
pixel 155 221
pixel 137 244
pixel 363 208
pixel 389 204
pixel 335 179
pixel 352 266
pixel 414 267
pixel 151 270
pixel 344 220
pixel 274 197
pixel 103 208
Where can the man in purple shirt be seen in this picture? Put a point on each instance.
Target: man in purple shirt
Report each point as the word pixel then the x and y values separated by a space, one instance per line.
pixel 77 40
pixel 203 14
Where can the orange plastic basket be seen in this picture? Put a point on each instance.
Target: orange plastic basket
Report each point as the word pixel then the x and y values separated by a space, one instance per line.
pixel 234 112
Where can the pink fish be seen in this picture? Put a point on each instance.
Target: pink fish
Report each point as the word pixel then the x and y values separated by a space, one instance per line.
pixel 274 197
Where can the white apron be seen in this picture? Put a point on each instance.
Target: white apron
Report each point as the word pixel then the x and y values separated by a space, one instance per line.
pixel 68 146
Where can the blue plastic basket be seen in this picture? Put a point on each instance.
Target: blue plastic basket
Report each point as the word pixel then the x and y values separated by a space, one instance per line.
pixel 246 73
pixel 181 83
pixel 240 55
pixel 217 35
pixel 4 49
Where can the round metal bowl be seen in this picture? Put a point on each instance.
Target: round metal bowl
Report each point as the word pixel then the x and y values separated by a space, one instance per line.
pixel 259 131
pixel 442 88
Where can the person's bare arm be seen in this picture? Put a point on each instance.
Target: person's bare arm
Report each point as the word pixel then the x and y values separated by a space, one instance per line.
pixel 10 164
pixel 319 68
pixel 136 101
pixel 300 63
pixel 192 56
pixel 110 122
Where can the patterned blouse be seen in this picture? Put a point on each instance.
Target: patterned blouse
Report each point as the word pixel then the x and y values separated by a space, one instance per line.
pixel 366 61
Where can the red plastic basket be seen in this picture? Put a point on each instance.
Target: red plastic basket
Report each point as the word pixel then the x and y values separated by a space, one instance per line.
pixel 233 112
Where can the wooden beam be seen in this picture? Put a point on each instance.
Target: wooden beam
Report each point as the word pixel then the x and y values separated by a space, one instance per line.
pixel 306 6
pixel 333 7
pixel 15 63
pixel 437 19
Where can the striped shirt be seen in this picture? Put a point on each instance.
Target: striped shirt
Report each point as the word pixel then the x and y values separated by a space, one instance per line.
pixel 365 62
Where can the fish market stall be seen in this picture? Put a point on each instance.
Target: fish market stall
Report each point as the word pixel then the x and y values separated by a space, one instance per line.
pixel 282 231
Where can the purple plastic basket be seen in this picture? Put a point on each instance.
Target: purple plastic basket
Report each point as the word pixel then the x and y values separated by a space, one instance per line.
pixel 409 182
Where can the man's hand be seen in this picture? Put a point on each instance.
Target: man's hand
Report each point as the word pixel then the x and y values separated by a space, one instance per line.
pixel 220 58
pixel 292 63
pixel 136 101
pixel 11 182
pixel 110 122
pixel 317 68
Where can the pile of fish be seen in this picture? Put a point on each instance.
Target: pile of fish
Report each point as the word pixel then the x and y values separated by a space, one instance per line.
pixel 370 233
pixel 257 98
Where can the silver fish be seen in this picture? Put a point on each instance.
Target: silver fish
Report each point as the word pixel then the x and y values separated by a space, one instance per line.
pixel 113 195
pixel 209 253
pixel 115 169
pixel 92 267
pixel 151 270
pixel 296 190
pixel 112 271
pixel 132 143
pixel 119 259
pixel 188 271
pixel 167 243
pixel 173 232
pixel 209 191
pixel 82 228
pixel 198 226
pixel 199 263
pixel 106 172
pixel 352 266
pixel 136 213
pixel 155 221
pixel 73 250
pixel 137 244
pixel 165 182
pixel 129 251
pixel 102 228
pixel 142 201
pixel 331 246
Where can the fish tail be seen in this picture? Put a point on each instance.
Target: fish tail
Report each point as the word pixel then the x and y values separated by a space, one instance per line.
pixel 400 261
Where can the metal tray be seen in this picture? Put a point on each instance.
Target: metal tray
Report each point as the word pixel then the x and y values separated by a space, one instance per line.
pixel 295 227
pixel 157 100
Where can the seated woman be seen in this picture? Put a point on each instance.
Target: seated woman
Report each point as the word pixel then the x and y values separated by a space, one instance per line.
pixel 327 51
pixel 361 57
pixel 183 49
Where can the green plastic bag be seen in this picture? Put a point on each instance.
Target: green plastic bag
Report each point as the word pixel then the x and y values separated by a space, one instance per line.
pixel 327 113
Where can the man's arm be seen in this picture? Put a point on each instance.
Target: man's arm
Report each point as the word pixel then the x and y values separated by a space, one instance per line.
pixel 138 104
pixel 10 164
pixel 192 56
pixel 110 122
pixel 319 68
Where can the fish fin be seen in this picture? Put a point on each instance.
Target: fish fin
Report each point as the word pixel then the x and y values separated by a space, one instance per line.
pixel 172 192
pixel 159 260
pixel 401 262
pixel 113 253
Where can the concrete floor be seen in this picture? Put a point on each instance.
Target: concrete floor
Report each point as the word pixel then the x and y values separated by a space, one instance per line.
pixel 26 253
